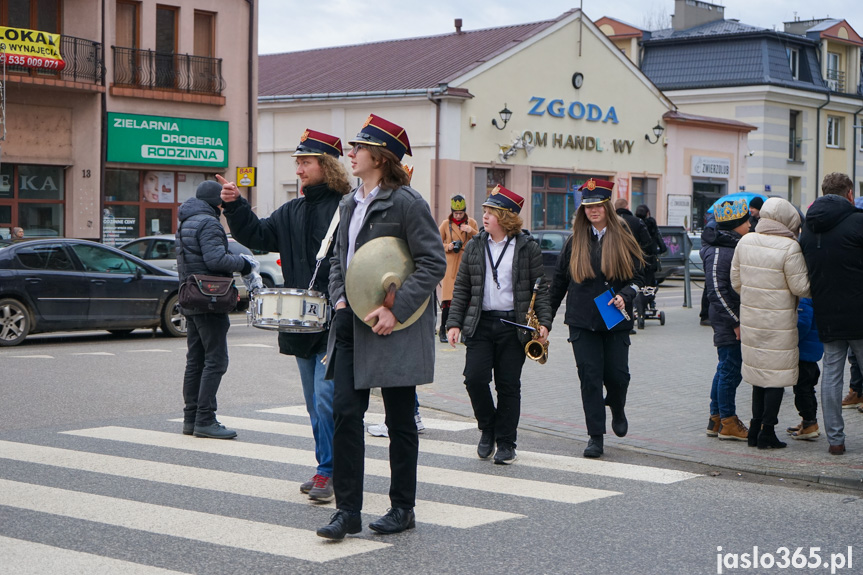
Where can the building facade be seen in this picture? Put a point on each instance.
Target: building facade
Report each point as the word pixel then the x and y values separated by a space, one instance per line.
pixel 538 108
pixel 152 99
pixel 800 87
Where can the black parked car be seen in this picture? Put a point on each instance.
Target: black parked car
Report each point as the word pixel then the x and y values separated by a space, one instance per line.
pixel 58 284
pixel 551 242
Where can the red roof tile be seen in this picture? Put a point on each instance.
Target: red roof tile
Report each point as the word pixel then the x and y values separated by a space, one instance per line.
pixel 413 63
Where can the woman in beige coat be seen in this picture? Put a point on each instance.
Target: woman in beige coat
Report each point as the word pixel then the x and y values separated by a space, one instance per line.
pixel 769 273
pixel 455 232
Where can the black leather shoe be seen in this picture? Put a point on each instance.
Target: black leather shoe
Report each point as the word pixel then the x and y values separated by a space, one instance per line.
pixel 619 425
pixel 188 427
pixel 341 523
pixel 442 336
pixel 214 431
pixel 395 521
pixel 594 447
pixel 505 455
pixel 486 445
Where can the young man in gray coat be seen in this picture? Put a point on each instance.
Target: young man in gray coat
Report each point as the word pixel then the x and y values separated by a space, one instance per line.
pixel 361 357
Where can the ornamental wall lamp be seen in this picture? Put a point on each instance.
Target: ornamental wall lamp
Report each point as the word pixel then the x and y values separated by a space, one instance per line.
pixel 657 131
pixel 505 115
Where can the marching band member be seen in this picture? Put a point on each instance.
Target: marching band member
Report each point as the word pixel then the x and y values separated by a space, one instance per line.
pixel 296 230
pixel 601 254
pixel 361 357
pixel 495 281
pixel 455 232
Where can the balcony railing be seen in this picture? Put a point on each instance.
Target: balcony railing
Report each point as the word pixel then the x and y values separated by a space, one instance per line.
pixel 84 61
pixel 836 80
pixel 160 70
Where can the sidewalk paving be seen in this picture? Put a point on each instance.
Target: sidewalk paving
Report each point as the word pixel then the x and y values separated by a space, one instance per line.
pixel 667 406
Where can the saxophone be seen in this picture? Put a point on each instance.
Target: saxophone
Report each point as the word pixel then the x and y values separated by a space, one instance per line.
pixel 534 349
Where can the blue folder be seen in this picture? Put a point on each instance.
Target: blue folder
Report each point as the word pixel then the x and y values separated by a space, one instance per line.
pixel 610 314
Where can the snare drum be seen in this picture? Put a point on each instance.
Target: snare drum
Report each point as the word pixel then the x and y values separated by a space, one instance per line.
pixel 289 310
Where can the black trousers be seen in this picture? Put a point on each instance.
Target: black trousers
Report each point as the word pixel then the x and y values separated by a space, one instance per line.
pixel 804 392
pixel 765 404
pixel 602 359
pixel 495 350
pixel 206 363
pixel 349 407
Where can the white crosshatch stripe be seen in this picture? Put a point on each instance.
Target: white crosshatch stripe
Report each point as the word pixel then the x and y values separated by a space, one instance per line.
pixel 29 558
pixel 443 514
pixel 525 458
pixel 228 531
pixel 499 485
pixel 371 417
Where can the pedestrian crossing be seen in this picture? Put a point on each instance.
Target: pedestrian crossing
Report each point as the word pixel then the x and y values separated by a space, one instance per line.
pixel 170 460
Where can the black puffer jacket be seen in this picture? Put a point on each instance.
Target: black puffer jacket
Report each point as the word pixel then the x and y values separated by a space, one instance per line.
pixel 202 245
pixel 832 242
pixel 295 230
pixel 581 311
pixel 470 285
pixel 717 251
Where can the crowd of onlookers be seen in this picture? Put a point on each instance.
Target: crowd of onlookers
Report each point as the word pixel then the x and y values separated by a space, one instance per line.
pixel 785 291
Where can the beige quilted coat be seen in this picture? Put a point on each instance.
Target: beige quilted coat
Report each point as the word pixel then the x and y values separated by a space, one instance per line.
pixel 769 273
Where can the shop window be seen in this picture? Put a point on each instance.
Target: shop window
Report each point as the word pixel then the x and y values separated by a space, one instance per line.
pixel 485 181
pixel 40 183
pixel 187 184
pixel 32 197
pixel 120 224
pixel 557 182
pixel 121 185
pixel 834 132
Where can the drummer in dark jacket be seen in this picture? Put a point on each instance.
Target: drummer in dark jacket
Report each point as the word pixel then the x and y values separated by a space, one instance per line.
pixel 600 255
pixel 367 352
pixel 202 248
pixel 296 230
pixel 495 281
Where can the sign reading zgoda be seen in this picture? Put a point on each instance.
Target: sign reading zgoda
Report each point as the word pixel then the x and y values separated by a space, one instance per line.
pixel 163 140
pixel 30 49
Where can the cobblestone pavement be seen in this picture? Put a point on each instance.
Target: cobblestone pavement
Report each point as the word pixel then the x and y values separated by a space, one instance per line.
pixel 672 368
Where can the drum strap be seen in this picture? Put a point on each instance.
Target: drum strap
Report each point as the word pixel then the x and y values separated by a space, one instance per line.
pixel 325 245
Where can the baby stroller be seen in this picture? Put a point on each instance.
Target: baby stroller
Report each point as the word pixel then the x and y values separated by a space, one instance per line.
pixel 645 306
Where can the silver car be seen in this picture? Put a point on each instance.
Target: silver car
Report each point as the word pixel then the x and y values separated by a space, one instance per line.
pixel 161 251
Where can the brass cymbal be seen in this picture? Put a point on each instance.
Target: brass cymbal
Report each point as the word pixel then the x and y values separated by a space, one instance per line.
pixel 379 263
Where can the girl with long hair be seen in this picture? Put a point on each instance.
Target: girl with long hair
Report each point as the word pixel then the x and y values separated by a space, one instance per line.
pixel 602 254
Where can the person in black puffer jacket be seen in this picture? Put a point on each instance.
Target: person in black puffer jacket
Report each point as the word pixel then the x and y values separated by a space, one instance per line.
pixel 717 251
pixel 202 248
pixel 296 230
pixel 832 242
pixel 495 281
pixel 601 254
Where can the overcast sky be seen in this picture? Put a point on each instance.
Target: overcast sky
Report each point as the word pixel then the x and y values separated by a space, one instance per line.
pixel 291 25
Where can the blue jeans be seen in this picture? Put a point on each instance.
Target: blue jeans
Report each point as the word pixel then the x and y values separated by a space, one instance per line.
pixel 318 393
pixel 726 380
pixel 832 384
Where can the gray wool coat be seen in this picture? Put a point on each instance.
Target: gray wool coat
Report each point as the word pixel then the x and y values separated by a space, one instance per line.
pixel 406 357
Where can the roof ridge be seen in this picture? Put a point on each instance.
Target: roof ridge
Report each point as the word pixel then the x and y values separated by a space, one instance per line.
pixel 415 38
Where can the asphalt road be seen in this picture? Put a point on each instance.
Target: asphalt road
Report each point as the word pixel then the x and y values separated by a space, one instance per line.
pixel 96 478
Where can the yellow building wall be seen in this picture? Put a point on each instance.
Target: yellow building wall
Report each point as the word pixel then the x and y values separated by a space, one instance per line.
pixel 539 77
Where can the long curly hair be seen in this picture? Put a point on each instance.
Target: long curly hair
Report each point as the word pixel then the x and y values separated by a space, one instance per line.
pixel 619 248
pixel 393 175
pixel 335 174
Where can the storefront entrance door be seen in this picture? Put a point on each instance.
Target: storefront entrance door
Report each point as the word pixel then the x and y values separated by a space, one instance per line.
pixel 703 196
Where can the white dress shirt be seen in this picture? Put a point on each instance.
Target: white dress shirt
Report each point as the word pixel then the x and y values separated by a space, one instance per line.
pixel 359 215
pixel 494 299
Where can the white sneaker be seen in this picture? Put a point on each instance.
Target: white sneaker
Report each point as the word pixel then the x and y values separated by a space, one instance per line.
pixel 379 430
pixel 420 425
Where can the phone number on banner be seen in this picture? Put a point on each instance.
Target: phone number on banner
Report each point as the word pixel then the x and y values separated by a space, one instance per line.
pixel 31 62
